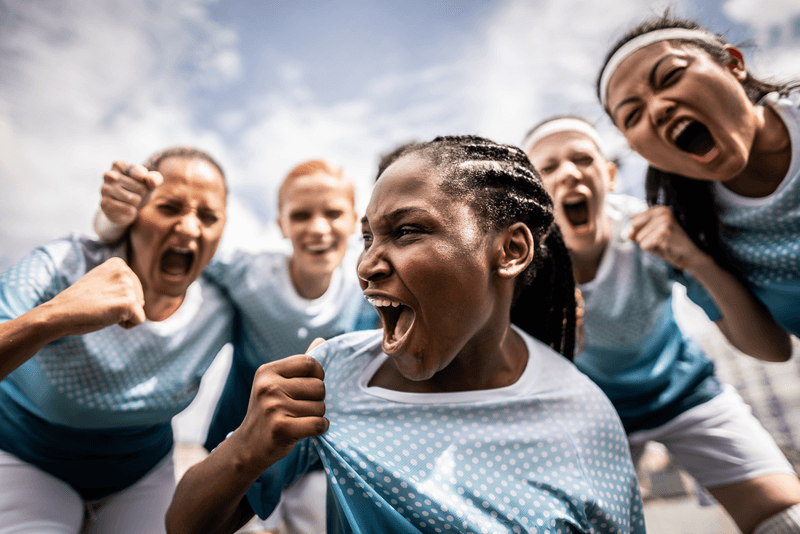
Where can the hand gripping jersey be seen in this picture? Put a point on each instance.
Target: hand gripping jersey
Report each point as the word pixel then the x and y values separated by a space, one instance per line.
pixel 274 322
pixel 545 454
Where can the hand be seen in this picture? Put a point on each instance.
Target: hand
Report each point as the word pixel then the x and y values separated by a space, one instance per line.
pixel 287 404
pixel 126 188
pixel 658 232
pixel 108 294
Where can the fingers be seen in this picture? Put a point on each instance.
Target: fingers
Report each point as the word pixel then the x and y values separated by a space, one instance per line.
pixel 125 189
pixel 314 344
pixel 139 173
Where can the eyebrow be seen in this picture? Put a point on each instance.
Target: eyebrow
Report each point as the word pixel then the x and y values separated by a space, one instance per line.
pixel 651 79
pixel 398 213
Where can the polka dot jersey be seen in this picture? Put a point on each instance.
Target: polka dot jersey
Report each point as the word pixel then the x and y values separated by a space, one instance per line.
pixel 546 454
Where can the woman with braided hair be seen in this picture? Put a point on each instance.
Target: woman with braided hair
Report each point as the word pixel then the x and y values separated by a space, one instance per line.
pixel 449 418
pixel 723 148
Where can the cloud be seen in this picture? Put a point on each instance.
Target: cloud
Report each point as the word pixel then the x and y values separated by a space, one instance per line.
pixel 86 82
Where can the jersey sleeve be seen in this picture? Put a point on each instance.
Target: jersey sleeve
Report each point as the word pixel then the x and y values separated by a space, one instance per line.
pixel 27 284
pixel 265 493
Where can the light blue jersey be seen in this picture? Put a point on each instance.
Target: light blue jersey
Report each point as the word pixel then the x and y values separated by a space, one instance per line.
pixel 274 322
pixel 763 234
pixel 545 454
pixel 99 405
pixel 634 349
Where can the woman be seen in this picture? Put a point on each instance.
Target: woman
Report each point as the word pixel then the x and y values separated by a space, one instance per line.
pixel 626 259
pixel 86 405
pixel 449 417
pixel 723 150
pixel 283 300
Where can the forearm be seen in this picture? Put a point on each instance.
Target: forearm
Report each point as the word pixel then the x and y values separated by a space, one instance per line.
pixel 745 322
pixel 107 231
pixel 210 498
pixel 23 337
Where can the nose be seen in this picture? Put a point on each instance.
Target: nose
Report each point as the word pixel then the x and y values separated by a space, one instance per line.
pixel 568 173
pixel 661 110
pixel 189 225
pixel 372 266
pixel 319 225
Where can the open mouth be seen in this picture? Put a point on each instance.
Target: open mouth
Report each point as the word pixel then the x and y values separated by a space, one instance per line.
pixel 577 212
pixel 177 261
pixel 320 249
pixel 693 137
pixel 397 320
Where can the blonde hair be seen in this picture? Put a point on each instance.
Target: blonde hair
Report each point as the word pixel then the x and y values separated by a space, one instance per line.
pixel 311 167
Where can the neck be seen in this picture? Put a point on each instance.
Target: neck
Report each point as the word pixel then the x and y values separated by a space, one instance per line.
pixel 309 285
pixel 769 159
pixel 492 360
pixel 160 307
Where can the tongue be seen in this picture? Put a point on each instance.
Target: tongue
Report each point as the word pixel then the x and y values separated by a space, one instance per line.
pixel 695 139
pixel 577 214
pixel 176 263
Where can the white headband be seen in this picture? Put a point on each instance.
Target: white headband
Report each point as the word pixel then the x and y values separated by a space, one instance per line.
pixel 646 39
pixel 567 124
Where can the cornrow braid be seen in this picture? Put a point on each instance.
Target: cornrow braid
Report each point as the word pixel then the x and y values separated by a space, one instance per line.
pixel 502 188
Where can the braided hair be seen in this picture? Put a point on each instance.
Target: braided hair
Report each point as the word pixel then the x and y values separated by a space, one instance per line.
pixel 689 199
pixel 501 186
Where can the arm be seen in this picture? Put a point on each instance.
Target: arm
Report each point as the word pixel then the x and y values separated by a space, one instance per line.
pixel 108 294
pixel 745 322
pixel 287 404
pixel 125 189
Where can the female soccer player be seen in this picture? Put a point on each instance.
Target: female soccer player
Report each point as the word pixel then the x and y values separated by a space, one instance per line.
pixel 86 406
pixel 626 258
pixel 449 417
pixel 723 148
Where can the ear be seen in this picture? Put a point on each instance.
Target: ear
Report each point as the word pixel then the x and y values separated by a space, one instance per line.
pixel 352 226
pixel 517 247
pixel 612 176
pixel 280 225
pixel 736 64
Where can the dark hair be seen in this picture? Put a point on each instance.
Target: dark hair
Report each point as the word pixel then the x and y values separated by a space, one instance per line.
pixel 392 156
pixel 693 201
pixel 155 160
pixel 502 187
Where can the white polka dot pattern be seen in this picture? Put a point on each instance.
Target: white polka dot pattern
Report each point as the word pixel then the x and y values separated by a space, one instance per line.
pixel 113 377
pixel 549 456
pixel 763 234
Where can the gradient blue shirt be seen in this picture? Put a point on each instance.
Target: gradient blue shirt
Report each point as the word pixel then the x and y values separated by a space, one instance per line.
pixel 545 454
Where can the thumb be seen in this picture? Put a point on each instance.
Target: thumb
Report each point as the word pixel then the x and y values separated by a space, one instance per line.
pixel 314 344
pixel 153 179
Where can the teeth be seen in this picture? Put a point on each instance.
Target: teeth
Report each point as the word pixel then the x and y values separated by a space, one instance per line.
pixel 382 303
pixel 679 128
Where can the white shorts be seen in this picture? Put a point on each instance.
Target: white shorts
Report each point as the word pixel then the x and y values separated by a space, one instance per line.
pixel 718 442
pixel 35 502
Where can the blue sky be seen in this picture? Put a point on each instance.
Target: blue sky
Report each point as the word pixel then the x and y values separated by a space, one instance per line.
pixel 264 85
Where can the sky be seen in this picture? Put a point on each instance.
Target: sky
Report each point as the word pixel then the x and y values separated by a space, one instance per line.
pixel 263 85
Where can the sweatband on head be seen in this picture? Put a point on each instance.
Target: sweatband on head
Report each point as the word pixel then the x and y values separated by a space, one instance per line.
pixel 567 124
pixel 667 34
